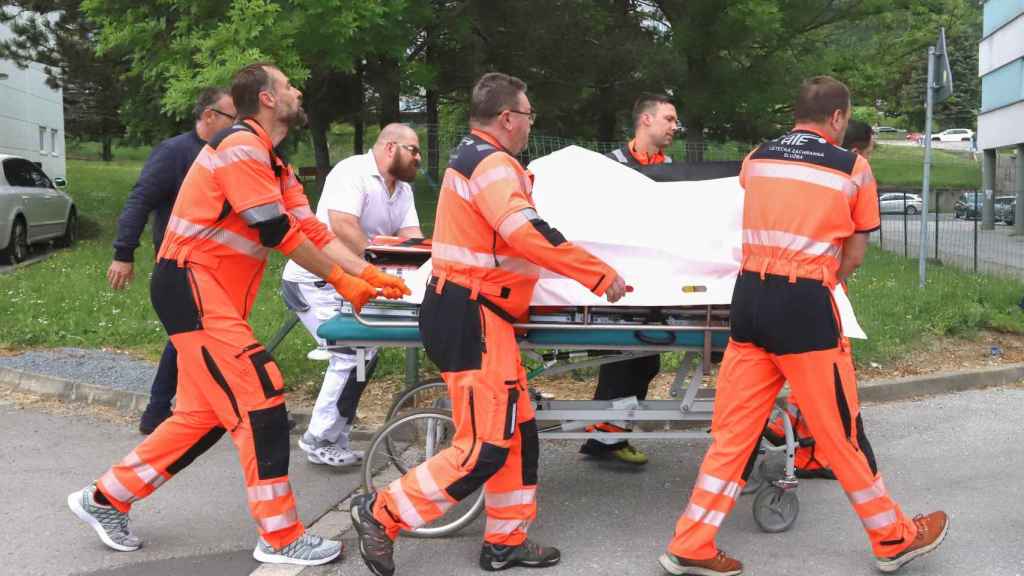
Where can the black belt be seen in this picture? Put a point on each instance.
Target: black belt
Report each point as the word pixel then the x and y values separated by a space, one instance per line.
pixel 483 300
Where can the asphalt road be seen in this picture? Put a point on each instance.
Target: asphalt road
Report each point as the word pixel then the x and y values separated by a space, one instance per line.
pixel 997 250
pixel 960 452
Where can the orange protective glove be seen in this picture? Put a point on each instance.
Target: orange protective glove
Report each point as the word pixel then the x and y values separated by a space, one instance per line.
pixel 356 290
pixel 394 287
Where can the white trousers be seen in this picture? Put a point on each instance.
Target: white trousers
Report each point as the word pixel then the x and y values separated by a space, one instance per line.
pixel 326 422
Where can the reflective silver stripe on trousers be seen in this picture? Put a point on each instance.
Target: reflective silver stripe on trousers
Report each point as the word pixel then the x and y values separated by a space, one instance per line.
pixel 113 488
pixel 406 509
pixel 879 521
pixel 790 171
pixel 496 526
pixel 715 485
pixel 145 472
pixel 792 242
pixel 241 244
pixel 521 497
pixel 698 514
pixel 468 257
pixel 268 492
pixel 876 490
pixel 431 490
pixel 279 522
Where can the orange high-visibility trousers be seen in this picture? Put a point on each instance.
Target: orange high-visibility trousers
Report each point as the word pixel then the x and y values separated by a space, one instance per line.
pixel 805 457
pixel 495 443
pixel 786 331
pixel 227 381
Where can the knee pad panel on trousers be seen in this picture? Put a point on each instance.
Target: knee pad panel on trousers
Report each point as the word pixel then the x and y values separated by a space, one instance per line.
pixel 201 446
pixel 488 462
pixel 270 441
pixel 531 451
pixel 170 292
pixel 451 329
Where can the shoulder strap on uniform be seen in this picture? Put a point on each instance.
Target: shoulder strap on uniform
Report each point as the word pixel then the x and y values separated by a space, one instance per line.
pixel 622 156
pixel 469 153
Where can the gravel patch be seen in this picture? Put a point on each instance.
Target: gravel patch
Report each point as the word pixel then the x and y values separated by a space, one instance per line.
pixel 105 368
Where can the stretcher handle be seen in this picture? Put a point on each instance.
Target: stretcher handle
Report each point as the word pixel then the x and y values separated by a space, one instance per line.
pixel 666 339
pixel 554 326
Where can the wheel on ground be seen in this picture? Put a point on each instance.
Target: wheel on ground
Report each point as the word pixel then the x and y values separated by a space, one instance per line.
pixel 406 442
pixel 775 509
pixel 70 232
pixel 17 247
pixel 912 210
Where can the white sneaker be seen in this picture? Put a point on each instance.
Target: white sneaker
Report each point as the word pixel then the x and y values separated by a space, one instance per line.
pixel 320 451
pixel 307 550
pixel 319 355
pixel 110 524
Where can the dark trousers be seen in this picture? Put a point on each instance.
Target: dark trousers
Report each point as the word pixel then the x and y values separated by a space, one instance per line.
pixel 165 385
pixel 627 378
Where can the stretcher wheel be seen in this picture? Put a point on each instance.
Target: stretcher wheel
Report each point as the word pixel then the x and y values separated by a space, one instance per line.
pixel 406 442
pixel 775 509
pixel 430 394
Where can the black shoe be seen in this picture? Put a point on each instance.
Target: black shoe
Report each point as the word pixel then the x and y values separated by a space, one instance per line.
pixel 494 557
pixel 810 473
pixel 375 547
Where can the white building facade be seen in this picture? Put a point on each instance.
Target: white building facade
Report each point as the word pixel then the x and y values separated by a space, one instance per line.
pixel 31 115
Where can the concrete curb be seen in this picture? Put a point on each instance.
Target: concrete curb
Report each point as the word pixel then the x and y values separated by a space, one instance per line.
pixel 886 390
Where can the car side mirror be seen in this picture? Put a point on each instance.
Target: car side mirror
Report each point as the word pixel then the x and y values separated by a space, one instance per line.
pixel 60 183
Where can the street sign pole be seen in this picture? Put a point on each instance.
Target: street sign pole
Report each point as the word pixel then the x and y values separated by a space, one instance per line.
pixel 929 102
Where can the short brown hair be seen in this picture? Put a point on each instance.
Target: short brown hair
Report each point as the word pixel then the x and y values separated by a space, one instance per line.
pixel 206 99
pixel 819 97
pixel 646 103
pixel 493 93
pixel 858 135
pixel 246 87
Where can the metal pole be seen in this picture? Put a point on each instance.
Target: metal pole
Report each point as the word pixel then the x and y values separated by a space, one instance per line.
pixel 936 224
pixel 412 367
pixel 923 252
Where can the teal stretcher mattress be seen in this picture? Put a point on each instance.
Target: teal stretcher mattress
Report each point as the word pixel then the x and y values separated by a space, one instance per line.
pixel 344 328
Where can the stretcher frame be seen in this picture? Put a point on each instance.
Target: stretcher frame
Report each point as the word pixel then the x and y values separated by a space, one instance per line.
pixel 775 506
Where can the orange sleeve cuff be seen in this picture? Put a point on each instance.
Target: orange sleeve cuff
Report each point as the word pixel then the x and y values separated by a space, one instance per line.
pixel 291 241
pixel 605 281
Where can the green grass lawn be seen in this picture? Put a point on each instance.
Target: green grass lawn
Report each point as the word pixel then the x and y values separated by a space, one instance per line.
pixel 65 300
pixel 904 166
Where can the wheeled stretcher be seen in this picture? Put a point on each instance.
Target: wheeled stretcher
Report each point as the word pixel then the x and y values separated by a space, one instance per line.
pixel 558 340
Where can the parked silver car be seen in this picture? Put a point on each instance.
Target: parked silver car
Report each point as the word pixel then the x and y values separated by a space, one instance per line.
pixel 1005 208
pixel 899 202
pixel 32 209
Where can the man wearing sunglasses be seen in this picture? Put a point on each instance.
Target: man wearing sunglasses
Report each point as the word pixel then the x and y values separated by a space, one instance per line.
pixel 155 192
pixel 364 196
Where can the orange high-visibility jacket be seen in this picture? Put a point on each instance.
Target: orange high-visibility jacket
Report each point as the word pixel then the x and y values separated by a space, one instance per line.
pixel 488 236
pixel 236 171
pixel 803 197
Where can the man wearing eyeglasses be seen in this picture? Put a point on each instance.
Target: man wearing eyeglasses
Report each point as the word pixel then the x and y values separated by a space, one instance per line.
pixel 364 196
pixel 155 192
pixel 655 123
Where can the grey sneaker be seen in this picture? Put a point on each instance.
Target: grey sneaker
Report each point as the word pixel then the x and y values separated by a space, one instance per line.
pixel 110 524
pixel 494 557
pixel 307 550
pixel 375 547
pixel 320 451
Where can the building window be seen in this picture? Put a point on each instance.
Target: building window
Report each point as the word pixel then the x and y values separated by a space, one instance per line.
pixel 1003 86
pixel 42 140
pixel 999 12
pixel 53 142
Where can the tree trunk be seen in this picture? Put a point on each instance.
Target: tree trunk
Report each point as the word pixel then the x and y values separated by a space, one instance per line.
pixel 433 143
pixel 358 135
pixel 695 140
pixel 388 84
pixel 107 154
pixel 318 131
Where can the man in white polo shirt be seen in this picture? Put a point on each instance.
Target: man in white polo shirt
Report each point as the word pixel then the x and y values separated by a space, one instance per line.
pixel 364 196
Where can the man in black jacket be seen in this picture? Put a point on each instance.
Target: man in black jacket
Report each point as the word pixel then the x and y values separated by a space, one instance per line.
pixel 155 192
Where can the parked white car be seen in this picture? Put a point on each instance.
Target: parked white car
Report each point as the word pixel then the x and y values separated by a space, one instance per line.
pixel 954 135
pixel 899 203
pixel 32 209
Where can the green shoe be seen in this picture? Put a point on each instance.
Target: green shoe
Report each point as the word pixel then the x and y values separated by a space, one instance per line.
pixel 630 455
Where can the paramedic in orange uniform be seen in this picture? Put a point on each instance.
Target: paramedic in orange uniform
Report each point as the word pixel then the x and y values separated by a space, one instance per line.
pixel 238 201
pixel 655 123
pixel 489 247
pixel 809 462
pixel 806 202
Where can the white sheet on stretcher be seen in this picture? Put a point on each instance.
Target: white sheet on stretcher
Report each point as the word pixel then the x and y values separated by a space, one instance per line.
pixel 675 243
